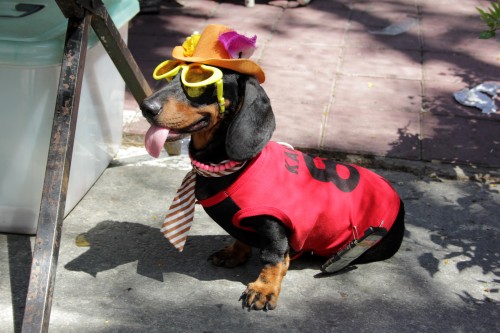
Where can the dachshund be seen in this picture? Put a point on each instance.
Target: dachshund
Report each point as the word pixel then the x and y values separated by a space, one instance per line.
pixel 242 133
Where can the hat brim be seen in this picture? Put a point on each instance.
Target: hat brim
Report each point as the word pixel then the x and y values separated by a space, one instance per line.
pixel 244 66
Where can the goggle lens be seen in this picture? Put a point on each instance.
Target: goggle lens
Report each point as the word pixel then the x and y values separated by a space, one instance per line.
pixel 167 70
pixel 196 74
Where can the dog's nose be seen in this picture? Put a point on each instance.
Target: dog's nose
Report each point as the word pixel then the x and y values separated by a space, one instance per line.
pixel 150 107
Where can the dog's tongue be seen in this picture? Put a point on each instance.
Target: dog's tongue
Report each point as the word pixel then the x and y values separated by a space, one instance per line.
pixel 155 139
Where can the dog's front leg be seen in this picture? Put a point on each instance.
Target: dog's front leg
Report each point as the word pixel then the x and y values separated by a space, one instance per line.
pixel 263 293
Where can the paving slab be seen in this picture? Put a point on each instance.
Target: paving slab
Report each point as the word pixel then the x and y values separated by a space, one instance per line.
pixel 326 59
pixel 471 141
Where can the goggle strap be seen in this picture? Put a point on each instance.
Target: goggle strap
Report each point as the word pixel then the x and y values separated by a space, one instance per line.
pixel 220 95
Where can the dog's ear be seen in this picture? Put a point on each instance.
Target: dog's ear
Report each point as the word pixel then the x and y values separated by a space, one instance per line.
pixel 253 125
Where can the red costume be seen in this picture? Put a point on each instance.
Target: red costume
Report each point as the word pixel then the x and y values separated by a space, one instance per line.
pixel 324 204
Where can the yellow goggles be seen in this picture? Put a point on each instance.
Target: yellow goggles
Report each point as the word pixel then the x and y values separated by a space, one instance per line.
pixel 194 77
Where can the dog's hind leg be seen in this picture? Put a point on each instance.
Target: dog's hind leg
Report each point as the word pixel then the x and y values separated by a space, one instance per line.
pixel 232 255
pixel 389 245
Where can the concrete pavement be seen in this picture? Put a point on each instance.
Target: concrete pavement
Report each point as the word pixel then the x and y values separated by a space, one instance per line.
pixel 117 274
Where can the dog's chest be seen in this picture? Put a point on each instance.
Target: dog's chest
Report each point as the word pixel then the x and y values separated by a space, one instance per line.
pixel 223 214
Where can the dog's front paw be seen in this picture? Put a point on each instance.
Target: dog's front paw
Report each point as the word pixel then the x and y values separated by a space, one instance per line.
pixel 263 293
pixel 231 256
pixel 260 296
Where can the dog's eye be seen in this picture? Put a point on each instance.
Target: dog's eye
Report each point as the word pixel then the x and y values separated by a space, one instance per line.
pixel 195 91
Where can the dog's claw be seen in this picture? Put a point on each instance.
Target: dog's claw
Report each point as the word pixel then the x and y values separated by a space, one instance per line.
pixel 243 299
pixel 249 300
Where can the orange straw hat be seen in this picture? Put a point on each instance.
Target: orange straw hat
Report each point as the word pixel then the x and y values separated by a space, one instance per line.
pixel 209 49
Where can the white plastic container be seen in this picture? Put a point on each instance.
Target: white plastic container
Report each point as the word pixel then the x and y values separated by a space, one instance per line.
pixel 30 55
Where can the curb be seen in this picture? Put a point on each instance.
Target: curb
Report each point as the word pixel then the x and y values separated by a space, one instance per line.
pixel 433 169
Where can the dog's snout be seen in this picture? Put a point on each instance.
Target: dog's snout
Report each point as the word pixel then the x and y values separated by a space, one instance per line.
pixel 151 107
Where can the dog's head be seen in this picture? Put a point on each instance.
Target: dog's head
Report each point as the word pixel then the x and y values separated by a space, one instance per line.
pixel 238 133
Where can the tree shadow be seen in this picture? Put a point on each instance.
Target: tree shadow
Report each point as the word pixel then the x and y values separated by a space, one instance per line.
pixel 451 133
pixel 465 230
pixel 462 229
pixel 471 239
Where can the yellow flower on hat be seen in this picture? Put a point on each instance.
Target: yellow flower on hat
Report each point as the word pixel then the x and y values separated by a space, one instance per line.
pixel 190 44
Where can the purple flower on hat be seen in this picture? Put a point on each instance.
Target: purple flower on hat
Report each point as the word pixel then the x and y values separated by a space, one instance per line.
pixel 238 46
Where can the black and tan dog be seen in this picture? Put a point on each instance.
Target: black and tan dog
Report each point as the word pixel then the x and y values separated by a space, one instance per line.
pixel 331 205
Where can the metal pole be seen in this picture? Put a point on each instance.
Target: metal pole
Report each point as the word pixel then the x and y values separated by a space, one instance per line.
pixel 81 14
pixel 46 249
pixel 119 53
